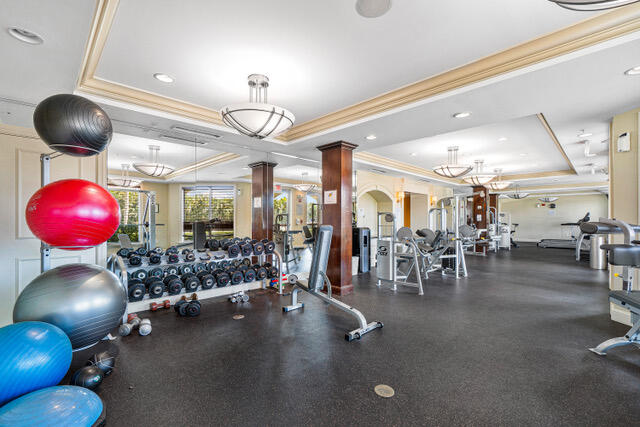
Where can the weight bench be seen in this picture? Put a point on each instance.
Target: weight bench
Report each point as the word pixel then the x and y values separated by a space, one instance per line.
pixel 626 255
pixel 318 279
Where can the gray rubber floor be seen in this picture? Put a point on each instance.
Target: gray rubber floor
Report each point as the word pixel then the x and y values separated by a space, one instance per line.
pixel 506 346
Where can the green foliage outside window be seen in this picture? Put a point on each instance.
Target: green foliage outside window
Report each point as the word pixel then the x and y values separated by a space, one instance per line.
pixel 129 202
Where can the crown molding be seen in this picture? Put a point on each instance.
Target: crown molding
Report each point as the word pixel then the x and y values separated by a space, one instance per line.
pixel 592 31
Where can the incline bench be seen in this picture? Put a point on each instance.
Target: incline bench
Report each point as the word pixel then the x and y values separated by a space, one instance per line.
pixel 626 255
pixel 318 278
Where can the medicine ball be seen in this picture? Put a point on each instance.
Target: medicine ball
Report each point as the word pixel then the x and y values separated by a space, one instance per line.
pixel 73 125
pixel 104 361
pixel 88 377
pixel 73 212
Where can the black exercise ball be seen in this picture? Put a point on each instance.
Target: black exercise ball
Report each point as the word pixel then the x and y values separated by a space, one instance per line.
pixel 104 361
pixel 73 125
pixel 88 377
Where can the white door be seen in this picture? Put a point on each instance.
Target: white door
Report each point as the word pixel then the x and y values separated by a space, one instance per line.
pixel 20 150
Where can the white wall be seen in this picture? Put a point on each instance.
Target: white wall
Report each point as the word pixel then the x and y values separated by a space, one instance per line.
pixel 536 223
pixel 20 150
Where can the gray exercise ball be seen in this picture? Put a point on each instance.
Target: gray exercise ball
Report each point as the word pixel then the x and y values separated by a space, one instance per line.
pixel 85 301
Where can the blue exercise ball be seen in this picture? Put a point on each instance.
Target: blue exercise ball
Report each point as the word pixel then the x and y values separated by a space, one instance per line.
pixel 64 405
pixel 33 355
pixel 86 301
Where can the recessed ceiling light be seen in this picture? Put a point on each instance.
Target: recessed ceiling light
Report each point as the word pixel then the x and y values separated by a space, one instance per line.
pixel 25 36
pixel 502 139
pixel 523 154
pixel 245 168
pixel 164 78
pixel 413 154
pixel 584 134
pixel 633 71
pixel 372 8
pixel 370 137
pixel 462 114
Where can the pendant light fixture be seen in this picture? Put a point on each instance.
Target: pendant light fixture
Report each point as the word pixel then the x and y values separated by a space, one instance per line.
pixel 548 199
pixel 517 194
pixel 479 178
pixel 305 187
pixel 498 184
pixel 153 167
pixel 124 180
pixel 257 118
pixel 452 169
pixel 372 8
pixel 591 5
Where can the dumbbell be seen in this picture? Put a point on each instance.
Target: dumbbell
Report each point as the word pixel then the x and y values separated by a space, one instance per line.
pixel 269 247
pixel 171 250
pixel 206 279
pixel 188 256
pixel 261 272
pixel 212 266
pixel 158 250
pixel 173 258
pixel 189 308
pixel 173 284
pixel 134 259
pixel 185 269
pixel 154 258
pixel 143 326
pixel 141 251
pixel 123 252
pixel 224 264
pixel 249 275
pixel 172 269
pixel 164 304
pixel 246 262
pixel 213 244
pixel 237 277
pixel 233 250
pixel 236 263
pixel 272 271
pixel 258 248
pixel 246 249
pixel 222 278
pixel 190 282
pixel 139 274
pixel 156 272
pixel 155 287
pixel 126 328
pixel 135 290
pixel 198 267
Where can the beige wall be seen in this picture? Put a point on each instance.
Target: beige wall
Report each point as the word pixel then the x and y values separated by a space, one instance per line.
pixel 623 191
pixel 162 217
pixel 422 194
pixel 20 150
pixel 536 223
pixel 242 211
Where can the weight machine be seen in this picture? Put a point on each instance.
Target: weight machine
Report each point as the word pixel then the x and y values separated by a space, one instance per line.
pixel 283 238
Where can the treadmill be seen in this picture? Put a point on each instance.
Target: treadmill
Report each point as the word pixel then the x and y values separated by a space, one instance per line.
pixel 567 243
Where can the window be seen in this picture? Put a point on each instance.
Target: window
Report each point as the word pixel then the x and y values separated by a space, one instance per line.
pixel 313 209
pixel 129 202
pixel 212 205
pixel 280 203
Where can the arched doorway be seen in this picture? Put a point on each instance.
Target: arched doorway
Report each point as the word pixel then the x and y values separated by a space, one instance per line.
pixel 368 206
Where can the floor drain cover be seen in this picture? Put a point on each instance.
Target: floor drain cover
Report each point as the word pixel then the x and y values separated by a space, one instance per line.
pixel 241 316
pixel 383 390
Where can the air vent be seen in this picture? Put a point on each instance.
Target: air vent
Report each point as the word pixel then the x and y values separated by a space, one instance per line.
pixel 377 170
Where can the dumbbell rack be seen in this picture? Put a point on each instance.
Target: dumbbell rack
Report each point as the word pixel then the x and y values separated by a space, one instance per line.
pixel 120 267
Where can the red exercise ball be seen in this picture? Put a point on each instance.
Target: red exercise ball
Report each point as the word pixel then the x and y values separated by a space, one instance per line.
pixel 73 212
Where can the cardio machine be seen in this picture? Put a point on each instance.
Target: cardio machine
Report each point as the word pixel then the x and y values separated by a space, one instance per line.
pixel 566 243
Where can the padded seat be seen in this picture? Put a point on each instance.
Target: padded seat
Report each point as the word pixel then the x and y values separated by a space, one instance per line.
pixel 623 254
pixel 630 298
